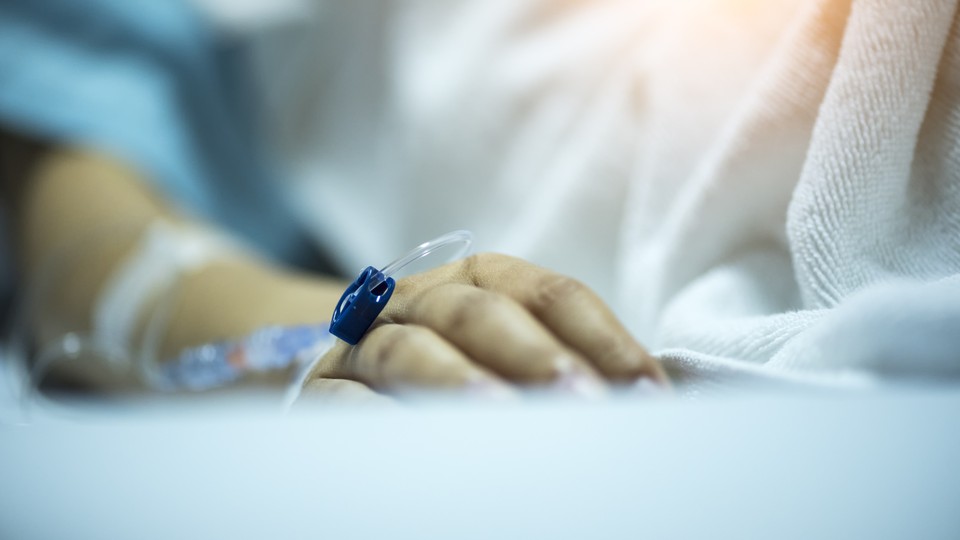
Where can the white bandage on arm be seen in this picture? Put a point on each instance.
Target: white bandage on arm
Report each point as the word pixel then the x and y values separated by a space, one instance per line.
pixel 165 252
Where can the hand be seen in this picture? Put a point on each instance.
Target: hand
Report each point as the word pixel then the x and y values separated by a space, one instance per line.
pixel 485 324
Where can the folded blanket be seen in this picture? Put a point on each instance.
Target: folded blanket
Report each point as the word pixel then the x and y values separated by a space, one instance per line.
pixel 820 231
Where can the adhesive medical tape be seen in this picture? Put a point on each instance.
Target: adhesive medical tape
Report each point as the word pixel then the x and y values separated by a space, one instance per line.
pixel 164 253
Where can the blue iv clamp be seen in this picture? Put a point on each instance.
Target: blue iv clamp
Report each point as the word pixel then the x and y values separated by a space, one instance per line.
pixel 360 304
pixel 366 297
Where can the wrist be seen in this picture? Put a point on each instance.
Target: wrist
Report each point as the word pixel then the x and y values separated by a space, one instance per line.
pixel 231 298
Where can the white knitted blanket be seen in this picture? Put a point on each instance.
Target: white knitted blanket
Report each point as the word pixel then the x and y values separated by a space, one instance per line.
pixel 820 230
pixel 763 190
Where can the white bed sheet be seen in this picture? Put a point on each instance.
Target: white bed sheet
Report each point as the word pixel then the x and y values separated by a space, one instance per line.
pixel 800 465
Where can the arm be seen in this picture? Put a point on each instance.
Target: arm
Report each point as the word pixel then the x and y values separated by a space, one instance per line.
pixel 77 208
pixel 479 323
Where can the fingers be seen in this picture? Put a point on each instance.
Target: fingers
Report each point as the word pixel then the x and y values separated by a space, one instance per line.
pixel 394 357
pixel 496 332
pixel 572 312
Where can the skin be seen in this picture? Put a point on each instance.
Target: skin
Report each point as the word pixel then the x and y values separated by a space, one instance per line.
pixel 486 325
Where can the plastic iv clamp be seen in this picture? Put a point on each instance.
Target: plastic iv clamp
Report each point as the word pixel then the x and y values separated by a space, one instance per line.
pixel 366 297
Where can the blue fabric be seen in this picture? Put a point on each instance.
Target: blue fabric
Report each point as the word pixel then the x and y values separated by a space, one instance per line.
pixel 149 82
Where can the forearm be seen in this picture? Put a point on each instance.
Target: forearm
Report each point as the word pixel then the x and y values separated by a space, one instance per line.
pixel 79 215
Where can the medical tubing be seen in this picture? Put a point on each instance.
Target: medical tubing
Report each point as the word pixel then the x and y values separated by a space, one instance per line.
pixel 461 236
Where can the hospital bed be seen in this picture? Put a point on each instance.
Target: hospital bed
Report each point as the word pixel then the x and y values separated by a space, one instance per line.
pixel 878 464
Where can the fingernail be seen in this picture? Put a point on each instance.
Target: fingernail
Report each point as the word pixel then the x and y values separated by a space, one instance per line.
pixel 576 380
pixel 645 386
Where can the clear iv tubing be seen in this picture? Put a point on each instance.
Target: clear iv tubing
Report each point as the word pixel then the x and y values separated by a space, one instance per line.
pixel 424 249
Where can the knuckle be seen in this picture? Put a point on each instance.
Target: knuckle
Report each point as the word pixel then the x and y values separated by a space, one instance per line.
pixel 553 289
pixel 475 260
pixel 486 258
pixel 438 295
pixel 478 267
pixel 472 304
pixel 472 267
